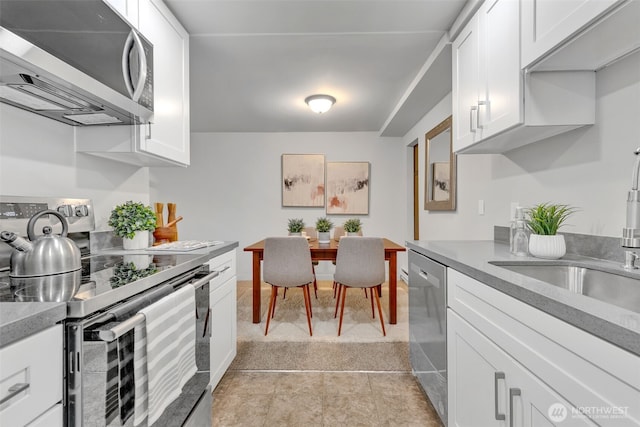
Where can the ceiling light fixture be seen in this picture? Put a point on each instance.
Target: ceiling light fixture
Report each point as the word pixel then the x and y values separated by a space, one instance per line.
pixel 320 103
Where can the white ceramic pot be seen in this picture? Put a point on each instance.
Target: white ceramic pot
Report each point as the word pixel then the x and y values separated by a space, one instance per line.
pixel 298 234
pixel 324 237
pixel 547 247
pixel 140 241
pixel 353 234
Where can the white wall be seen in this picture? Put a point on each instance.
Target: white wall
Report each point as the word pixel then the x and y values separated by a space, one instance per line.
pixel 589 168
pixel 231 191
pixel 37 158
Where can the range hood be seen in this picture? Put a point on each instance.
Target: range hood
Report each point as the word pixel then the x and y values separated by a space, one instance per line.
pixel 84 71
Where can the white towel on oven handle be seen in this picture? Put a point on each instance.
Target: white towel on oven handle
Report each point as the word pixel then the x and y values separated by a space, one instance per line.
pixel 170 333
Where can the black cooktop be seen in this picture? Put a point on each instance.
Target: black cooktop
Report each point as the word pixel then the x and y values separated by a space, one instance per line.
pixel 99 274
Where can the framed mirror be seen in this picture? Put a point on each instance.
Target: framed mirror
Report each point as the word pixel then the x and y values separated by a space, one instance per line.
pixel 440 169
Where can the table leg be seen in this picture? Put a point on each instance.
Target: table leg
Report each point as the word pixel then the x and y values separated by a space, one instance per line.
pixel 256 287
pixel 393 288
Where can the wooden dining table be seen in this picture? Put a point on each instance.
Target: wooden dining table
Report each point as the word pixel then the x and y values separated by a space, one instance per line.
pixel 327 252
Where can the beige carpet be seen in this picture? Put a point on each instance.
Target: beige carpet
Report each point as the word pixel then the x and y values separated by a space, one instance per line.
pixel 290 322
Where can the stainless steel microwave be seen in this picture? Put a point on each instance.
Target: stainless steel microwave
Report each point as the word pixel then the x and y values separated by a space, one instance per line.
pixel 76 61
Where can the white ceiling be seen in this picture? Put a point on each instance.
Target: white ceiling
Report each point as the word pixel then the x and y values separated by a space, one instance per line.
pixel 253 62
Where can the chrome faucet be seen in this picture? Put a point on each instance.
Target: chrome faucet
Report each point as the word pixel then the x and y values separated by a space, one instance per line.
pixel 631 233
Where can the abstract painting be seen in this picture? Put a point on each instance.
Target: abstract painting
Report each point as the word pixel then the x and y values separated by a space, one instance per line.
pixel 441 181
pixel 303 180
pixel 348 188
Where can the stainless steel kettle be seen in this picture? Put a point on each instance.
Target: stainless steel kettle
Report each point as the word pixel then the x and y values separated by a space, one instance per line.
pixel 44 255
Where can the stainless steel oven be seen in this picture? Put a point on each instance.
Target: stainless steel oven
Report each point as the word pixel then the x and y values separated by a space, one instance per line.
pixel 95 379
pixel 114 288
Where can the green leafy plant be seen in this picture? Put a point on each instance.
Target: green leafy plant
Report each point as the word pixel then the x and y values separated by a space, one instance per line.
pixel 352 225
pixel 323 225
pixel 130 217
pixel 546 218
pixel 296 225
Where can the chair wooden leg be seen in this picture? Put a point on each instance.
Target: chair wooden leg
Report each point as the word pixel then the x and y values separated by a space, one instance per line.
pixel 284 293
pixel 335 288
pixel 275 300
pixel 315 282
pixel 339 289
pixel 373 313
pixel 307 305
pixel 365 292
pixel 274 292
pixel 384 333
pixel 308 292
pixel 344 297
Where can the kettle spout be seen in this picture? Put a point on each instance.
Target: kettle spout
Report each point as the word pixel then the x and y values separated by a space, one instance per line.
pixel 15 241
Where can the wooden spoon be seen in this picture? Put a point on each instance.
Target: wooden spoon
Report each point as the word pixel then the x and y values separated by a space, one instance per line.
pixel 172 223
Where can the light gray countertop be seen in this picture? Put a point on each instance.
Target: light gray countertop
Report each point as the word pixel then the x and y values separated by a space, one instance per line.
pixel 21 319
pixel 611 323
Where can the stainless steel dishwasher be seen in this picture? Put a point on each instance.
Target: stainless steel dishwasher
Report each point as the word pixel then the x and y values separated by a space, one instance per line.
pixel 428 328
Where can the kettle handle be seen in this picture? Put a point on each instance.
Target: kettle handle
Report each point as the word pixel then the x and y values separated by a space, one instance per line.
pixel 32 223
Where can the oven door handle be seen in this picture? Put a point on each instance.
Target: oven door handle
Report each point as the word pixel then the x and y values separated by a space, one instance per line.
pixel 125 326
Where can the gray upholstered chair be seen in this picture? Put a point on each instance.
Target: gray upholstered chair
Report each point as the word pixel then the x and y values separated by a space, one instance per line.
pixel 287 264
pixel 359 264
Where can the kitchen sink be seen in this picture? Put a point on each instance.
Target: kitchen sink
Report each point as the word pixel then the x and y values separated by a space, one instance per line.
pixel 617 289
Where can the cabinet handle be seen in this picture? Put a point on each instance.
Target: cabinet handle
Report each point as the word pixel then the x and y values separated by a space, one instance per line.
pixel 512 392
pixel 226 267
pixel 480 104
pixel 149 131
pixel 14 390
pixel 496 377
pixel 473 108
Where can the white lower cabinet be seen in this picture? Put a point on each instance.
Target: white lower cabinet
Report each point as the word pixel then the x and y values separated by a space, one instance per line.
pixel 511 364
pixel 222 301
pixel 31 379
pixel 492 389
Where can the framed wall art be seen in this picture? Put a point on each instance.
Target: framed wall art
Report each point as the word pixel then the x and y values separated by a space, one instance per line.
pixel 348 188
pixel 303 180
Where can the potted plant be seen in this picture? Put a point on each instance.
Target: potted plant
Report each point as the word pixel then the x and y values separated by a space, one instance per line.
pixel 544 220
pixel 295 226
pixel 352 226
pixel 133 221
pixel 323 227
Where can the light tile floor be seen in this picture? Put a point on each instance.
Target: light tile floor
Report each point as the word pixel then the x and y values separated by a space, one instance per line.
pixel 309 398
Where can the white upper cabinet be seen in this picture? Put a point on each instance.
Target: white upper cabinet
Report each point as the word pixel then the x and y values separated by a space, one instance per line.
pixel 465 86
pixel 486 73
pixel 496 106
pixel 578 34
pixel 165 141
pixel 168 134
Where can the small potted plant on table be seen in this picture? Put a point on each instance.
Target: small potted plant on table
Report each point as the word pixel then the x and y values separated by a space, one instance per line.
pixel 133 221
pixel 352 227
pixel 324 226
pixel 295 226
pixel 544 220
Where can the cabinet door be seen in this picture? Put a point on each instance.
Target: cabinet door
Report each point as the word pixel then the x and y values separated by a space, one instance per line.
pixel 465 68
pixel 477 387
pixel 222 300
pixel 500 75
pixel 546 24
pixel 168 134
